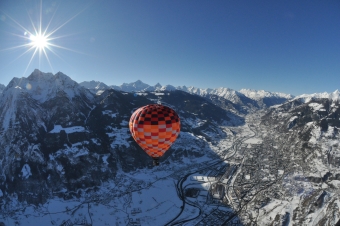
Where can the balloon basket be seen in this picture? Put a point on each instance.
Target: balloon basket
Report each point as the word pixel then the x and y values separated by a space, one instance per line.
pixel 156 162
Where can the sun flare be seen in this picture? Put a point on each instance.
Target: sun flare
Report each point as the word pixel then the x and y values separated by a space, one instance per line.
pixel 39 41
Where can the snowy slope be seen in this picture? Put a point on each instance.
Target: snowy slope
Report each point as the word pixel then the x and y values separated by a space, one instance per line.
pixel 260 94
pixel 334 96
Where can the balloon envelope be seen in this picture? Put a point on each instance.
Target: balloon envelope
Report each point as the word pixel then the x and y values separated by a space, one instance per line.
pixel 154 127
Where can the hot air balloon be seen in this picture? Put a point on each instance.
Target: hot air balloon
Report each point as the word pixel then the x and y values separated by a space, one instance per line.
pixel 154 127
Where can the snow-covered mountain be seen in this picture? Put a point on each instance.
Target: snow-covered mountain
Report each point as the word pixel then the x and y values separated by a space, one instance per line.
pixel 260 94
pixel 265 98
pixel 334 96
pixel 99 87
pixel 244 97
pixel 45 86
pixel 95 86
pixel 40 88
pixel 67 156
pixel 134 86
pixel 226 93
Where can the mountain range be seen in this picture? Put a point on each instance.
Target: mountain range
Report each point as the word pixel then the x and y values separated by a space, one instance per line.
pixel 242 158
pixel 244 96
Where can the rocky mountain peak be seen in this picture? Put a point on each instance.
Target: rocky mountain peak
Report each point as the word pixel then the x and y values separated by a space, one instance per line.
pixel 158 85
pixel 134 86
pixel 44 86
pixel 62 76
pixel 38 75
pixel 138 82
pixel 167 88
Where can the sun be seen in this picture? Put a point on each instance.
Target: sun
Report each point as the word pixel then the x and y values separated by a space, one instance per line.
pixel 39 41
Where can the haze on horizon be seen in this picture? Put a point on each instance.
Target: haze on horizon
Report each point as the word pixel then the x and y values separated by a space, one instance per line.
pixel 290 47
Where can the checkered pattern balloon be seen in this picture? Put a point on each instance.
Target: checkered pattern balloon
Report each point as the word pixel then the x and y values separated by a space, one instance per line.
pixel 154 127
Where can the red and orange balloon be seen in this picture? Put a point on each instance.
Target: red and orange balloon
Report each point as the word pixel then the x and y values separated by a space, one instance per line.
pixel 155 127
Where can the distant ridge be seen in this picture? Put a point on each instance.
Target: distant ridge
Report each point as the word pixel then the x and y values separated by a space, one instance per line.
pixel 334 96
pixel 258 98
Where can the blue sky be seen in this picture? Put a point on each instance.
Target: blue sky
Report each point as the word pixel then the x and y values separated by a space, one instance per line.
pixel 279 46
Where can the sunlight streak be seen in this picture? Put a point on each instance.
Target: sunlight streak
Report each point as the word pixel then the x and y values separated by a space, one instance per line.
pixel 52 32
pixel 29 63
pixel 48 59
pixel 28 50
